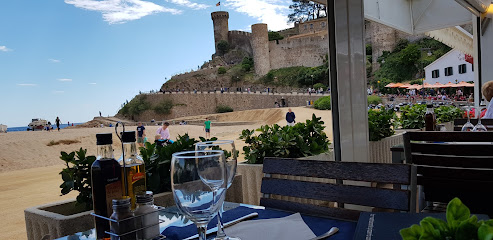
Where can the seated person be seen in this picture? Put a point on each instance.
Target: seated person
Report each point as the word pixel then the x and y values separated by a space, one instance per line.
pixel 487 90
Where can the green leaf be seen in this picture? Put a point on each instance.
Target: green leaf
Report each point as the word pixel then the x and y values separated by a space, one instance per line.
pixel 412 233
pixel 485 231
pixel 65 176
pixel 456 213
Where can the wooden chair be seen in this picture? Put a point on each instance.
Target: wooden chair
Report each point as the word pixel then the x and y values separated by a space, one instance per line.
pixel 273 187
pixel 452 164
pixel 458 123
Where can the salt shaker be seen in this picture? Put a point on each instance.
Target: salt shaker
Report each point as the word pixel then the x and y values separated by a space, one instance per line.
pixel 147 216
pixel 125 220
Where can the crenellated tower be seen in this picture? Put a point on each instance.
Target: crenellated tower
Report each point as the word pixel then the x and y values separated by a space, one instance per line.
pixel 221 29
pixel 260 47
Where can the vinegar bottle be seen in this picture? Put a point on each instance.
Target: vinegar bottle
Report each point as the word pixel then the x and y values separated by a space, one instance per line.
pixel 106 183
pixel 134 171
pixel 430 120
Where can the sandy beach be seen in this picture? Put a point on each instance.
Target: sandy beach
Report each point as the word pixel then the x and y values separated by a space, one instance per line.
pixel 29 168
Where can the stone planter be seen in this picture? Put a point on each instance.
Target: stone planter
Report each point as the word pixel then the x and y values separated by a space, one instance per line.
pixel 55 220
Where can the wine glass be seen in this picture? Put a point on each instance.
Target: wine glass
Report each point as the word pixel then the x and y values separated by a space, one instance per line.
pixel 196 178
pixel 231 155
pixel 479 127
pixel 468 126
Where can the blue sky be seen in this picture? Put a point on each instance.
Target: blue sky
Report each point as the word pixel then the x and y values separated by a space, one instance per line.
pixel 74 58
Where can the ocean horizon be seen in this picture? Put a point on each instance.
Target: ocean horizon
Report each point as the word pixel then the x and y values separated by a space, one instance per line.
pixel 22 129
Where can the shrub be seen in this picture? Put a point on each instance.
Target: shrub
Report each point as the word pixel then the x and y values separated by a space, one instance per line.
pixel 320 85
pixel 447 113
pixel 163 107
pixel 380 124
pixel 138 105
pixel 77 176
pixel 375 100
pixel 221 70
pixel 223 46
pixel 322 103
pixel 223 109
pixel 413 117
pixel 301 140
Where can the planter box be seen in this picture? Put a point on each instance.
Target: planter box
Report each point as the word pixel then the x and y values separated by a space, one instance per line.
pixel 55 220
pixel 380 150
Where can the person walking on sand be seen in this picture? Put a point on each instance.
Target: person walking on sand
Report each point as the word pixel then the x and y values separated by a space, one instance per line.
pixel 57 122
pixel 164 131
pixel 207 128
pixel 290 117
pixel 140 134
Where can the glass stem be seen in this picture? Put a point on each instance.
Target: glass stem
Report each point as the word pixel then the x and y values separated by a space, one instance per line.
pixel 202 231
pixel 220 229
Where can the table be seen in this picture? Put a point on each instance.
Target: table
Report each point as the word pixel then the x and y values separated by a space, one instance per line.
pixel 172 218
pixel 386 225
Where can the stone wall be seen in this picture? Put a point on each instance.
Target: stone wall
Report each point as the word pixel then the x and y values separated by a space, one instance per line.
pixel 191 104
pixel 240 40
pixel 316 25
pixel 307 51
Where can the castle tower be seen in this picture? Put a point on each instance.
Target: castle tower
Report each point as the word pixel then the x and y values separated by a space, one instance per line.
pixel 220 22
pixel 260 46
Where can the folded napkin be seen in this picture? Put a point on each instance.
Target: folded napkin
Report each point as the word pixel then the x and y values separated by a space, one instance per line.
pixel 290 227
pixel 178 233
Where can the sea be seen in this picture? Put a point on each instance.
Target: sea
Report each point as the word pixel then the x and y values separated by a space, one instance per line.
pixel 20 129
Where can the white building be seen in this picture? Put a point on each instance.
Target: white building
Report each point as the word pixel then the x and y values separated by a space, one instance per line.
pixel 451 67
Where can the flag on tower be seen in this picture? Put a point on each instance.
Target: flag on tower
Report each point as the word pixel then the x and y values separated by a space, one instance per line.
pixel 218 3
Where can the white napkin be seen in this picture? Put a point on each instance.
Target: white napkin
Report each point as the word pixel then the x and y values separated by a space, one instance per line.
pixel 290 227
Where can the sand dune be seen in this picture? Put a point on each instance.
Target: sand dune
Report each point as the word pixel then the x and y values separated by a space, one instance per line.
pixel 29 169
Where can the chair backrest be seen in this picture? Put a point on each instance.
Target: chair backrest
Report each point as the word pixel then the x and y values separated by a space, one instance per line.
pixel 458 123
pixel 272 187
pixel 453 164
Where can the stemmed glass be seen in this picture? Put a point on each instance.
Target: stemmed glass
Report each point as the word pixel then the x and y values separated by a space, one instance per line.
pixel 196 178
pixel 479 127
pixel 231 156
pixel 468 126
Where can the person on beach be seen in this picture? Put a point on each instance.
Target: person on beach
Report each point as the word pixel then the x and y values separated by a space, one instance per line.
pixel 290 117
pixel 164 131
pixel 57 122
pixel 140 134
pixel 487 90
pixel 100 113
pixel 207 128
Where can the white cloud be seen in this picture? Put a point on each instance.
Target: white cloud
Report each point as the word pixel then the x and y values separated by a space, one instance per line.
pixel 54 60
pixel 187 3
pixel 272 12
pixel 27 84
pixel 58 92
pixel 4 49
pixel 65 80
pixel 121 11
pixel 92 83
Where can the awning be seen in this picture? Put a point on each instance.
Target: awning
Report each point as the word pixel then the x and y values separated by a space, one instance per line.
pixel 465 84
pixel 449 84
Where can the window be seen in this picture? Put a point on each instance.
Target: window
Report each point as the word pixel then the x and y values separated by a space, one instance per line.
pixel 449 71
pixel 462 69
pixel 435 73
pixel 311 25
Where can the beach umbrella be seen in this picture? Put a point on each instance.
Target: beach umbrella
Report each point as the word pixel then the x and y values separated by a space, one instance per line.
pixel 415 86
pixel 397 85
pixel 465 84
pixel 449 84
pixel 405 85
pixel 437 85
pixel 390 85
pixel 427 85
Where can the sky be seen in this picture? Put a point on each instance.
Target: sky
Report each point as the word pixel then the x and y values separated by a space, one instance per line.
pixel 74 58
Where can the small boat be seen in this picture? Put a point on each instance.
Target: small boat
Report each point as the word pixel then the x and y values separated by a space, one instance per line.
pixel 37 124
pixel 3 128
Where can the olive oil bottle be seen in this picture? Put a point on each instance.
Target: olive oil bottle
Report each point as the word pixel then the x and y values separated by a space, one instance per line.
pixel 106 183
pixel 134 171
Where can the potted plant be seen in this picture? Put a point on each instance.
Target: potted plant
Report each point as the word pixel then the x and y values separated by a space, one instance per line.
pixel 300 141
pixel 67 217
pixel 381 129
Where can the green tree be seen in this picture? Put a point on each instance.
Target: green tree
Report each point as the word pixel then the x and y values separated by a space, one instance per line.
pixel 223 47
pixel 304 10
pixel 275 36
pixel 221 70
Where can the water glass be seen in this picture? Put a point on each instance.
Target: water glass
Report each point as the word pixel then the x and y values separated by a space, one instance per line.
pixel 196 178
pixel 468 126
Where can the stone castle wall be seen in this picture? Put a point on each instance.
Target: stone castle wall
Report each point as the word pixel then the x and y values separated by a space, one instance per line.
pixel 240 40
pixel 307 51
pixel 191 104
